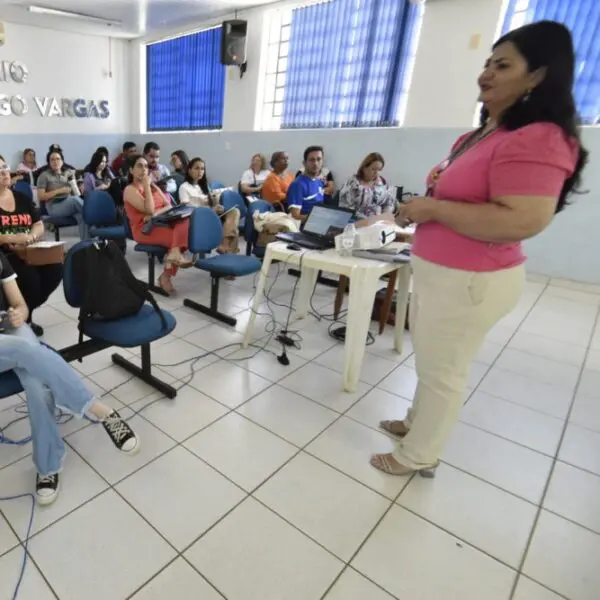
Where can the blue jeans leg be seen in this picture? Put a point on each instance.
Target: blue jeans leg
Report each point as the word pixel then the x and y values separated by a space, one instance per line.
pixel 45 377
pixel 72 206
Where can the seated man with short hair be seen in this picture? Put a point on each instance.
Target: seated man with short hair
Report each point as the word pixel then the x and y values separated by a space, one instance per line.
pixel 159 173
pixel 307 189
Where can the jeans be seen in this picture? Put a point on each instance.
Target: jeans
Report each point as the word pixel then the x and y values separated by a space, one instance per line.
pixel 49 382
pixel 71 206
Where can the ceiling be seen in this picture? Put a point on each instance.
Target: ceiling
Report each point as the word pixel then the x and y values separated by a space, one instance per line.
pixel 138 17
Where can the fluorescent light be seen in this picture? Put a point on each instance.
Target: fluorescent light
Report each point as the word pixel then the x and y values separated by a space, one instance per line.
pixel 44 10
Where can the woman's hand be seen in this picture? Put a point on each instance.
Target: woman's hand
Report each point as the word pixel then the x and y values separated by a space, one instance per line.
pixel 103 186
pixel 418 209
pixel 16 316
pixel 20 239
pixel 219 209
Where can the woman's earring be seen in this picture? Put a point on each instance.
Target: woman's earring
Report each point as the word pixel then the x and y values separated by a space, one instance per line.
pixel 526 97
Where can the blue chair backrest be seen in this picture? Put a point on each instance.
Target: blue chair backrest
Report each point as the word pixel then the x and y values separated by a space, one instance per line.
pixel 72 288
pixel 206 231
pixel 99 209
pixel 127 225
pixel 24 187
pixel 230 199
pixel 216 185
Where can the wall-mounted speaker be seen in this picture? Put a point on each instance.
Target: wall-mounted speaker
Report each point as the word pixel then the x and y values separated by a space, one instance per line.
pixel 233 42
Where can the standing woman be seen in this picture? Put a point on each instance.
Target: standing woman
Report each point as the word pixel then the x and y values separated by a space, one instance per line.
pixel 20 224
pixel 143 200
pixel 367 192
pixel 195 191
pixel 499 185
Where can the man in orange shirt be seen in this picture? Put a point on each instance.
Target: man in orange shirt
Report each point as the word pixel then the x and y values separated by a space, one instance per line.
pixel 278 181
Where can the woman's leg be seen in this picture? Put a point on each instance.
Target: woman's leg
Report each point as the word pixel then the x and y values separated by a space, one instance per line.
pixel 72 206
pixel 231 223
pixel 455 310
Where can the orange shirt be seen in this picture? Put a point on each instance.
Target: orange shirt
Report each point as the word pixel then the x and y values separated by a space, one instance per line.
pixel 275 187
pixel 136 216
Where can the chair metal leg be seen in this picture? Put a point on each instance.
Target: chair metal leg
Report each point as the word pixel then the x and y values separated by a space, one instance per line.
pixel 145 372
pixel 150 285
pixel 57 233
pixel 212 310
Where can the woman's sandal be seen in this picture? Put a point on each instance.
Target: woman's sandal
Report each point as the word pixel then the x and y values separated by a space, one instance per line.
pixel 395 427
pixel 165 284
pixel 388 464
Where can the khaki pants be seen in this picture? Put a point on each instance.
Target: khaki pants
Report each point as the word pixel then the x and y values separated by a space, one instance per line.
pixel 451 311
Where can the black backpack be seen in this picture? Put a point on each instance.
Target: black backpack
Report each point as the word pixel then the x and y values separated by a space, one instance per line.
pixel 110 290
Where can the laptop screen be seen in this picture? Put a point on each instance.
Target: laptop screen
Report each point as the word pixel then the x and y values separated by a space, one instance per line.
pixel 327 221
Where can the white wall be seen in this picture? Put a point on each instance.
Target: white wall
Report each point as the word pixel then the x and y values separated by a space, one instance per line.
pixel 65 65
pixel 441 106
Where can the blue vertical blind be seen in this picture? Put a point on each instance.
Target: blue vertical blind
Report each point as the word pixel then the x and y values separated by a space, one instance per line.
pixel 348 63
pixel 582 17
pixel 185 82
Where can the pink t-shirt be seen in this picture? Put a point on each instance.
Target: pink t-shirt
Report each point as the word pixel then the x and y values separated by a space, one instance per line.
pixel 532 161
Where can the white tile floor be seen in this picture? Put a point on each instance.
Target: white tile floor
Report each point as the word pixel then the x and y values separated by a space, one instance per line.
pixel 254 484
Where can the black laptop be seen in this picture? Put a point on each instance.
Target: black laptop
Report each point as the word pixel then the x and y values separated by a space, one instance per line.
pixel 321 227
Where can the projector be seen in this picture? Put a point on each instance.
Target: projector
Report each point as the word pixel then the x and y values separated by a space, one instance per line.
pixel 371 237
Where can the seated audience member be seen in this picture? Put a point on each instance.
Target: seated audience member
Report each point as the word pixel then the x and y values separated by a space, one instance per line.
pixel 159 174
pixel 143 200
pixel 179 162
pixel 195 191
pixel 307 189
pixel 57 189
pixel 49 383
pixel 104 151
pixel 278 181
pixel 97 174
pixel 27 166
pixel 20 224
pixel 119 165
pixel 40 170
pixel 367 192
pixel 326 176
pixel 253 178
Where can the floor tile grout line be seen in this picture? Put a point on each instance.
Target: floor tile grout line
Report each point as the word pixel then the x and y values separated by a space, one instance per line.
pixel 555 460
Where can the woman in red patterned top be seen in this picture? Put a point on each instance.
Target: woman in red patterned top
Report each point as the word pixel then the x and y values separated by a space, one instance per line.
pixel 143 200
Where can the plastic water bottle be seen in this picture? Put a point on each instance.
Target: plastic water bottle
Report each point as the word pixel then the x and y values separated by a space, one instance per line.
pixel 348 240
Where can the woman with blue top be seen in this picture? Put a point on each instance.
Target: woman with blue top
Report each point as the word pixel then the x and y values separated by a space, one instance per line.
pixel 49 383
pixel 307 189
pixel 98 175
pixel 367 192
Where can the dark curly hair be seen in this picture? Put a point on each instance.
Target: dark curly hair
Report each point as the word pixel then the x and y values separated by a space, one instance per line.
pixel 547 45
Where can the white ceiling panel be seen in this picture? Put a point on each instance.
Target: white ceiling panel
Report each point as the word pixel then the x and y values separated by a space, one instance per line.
pixel 135 17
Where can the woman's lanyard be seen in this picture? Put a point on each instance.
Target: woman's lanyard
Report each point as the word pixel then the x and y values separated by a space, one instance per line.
pixel 467 144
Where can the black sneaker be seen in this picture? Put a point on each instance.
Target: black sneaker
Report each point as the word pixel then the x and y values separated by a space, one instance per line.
pixel 37 329
pixel 120 433
pixel 46 488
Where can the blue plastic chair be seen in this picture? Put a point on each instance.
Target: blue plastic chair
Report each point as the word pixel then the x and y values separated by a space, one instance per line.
pixel 206 233
pixel 153 252
pixel 24 187
pixel 140 329
pixel 216 185
pixel 251 234
pixel 100 214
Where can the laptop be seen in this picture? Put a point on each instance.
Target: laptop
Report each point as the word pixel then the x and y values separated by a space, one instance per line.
pixel 321 227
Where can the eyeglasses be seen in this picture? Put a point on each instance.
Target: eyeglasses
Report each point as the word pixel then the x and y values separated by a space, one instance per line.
pixel 4 169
